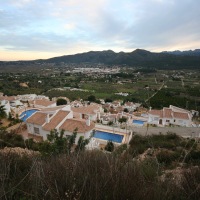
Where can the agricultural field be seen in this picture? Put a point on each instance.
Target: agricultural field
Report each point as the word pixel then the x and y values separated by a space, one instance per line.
pixel 155 88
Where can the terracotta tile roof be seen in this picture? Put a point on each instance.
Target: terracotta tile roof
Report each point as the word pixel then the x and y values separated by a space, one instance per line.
pixel 71 124
pixel 129 103
pixel 181 115
pixel 8 98
pixel 155 112
pixel 86 109
pixel 76 115
pixel 37 118
pixel 167 113
pixel 53 108
pixel 43 102
pixel 60 115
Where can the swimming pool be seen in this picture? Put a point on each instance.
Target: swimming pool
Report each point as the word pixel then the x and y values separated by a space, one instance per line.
pixel 27 114
pixel 108 136
pixel 139 122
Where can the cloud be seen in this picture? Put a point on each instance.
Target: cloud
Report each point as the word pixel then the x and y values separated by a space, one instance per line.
pixel 76 26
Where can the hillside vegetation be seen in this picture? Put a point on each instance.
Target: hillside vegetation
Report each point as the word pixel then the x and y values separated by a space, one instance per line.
pixel 152 167
pixel 137 58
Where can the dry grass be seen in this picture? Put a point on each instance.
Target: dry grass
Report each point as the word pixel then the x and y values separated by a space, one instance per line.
pixel 89 176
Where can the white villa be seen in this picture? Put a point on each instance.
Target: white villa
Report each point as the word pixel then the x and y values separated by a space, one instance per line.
pixel 131 106
pixel 31 97
pixel 59 118
pixel 172 115
pixel 42 103
pixel 92 111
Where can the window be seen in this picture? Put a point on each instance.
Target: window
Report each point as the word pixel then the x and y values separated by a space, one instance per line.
pixel 36 130
pixel 167 120
pixel 174 120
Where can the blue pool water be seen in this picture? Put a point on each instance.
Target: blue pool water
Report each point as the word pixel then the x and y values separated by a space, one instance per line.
pixel 138 122
pixel 108 136
pixel 27 114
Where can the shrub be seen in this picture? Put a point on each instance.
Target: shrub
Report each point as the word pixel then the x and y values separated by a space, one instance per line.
pixel 61 102
pixel 166 156
pixel 109 146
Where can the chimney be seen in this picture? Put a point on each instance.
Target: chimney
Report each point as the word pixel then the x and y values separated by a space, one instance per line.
pixel 47 118
pixel 88 121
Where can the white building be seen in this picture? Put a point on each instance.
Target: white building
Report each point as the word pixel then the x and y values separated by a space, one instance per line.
pixel 172 115
pixel 42 103
pixel 42 122
pixel 131 106
pixel 92 111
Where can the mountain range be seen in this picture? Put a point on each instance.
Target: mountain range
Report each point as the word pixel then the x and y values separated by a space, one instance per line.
pixel 137 58
pixel 195 52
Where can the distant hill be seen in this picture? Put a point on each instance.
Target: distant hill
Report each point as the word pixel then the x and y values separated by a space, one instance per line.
pixel 195 52
pixel 136 58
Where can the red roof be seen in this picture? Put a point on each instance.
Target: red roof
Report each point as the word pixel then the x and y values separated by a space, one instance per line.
pixel 60 115
pixel 80 124
pixel 181 115
pixel 37 118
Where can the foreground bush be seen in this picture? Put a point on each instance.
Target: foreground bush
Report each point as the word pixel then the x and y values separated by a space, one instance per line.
pixel 88 175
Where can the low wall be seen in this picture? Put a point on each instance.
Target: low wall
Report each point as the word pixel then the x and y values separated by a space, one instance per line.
pixel 182 131
pixel 112 129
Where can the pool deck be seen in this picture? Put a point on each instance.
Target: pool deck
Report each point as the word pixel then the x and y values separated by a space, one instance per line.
pixel 125 138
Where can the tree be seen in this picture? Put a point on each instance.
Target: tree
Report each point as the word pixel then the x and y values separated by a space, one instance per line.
pixel 82 143
pixel 110 123
pixel 123 119
pixel 108 100
pixel 57 143
pixel 71 140
pixel 61 102
pixel 125 109
pixel 92 98
pixel 10 116
pixel 2 112
pixel 105 110
pixel 109 146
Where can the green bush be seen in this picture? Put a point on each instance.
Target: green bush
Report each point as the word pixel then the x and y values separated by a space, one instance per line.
pixel 167 157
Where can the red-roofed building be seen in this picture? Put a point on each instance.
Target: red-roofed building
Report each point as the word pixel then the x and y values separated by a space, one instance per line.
pixel 92 111
pixel 172 115
pixel 59 118
pixel 42 103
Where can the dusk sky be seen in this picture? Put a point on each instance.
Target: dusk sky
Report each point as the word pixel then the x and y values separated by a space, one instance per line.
pixel 33 29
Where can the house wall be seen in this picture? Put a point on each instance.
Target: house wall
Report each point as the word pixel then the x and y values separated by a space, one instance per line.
pixel 182 122
pixel 85 135
pixel 153 119
pixel 167 121
pixel 30 128
pixel 93 117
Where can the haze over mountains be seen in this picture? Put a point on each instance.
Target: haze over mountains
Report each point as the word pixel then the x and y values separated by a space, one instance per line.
pixel 136 58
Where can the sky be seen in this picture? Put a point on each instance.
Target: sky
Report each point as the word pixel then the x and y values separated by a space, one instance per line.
pixel 35 29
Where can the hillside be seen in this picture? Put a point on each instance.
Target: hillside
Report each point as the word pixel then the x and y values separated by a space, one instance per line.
pixel 165 167
pixel 195 52
pixel 137 58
